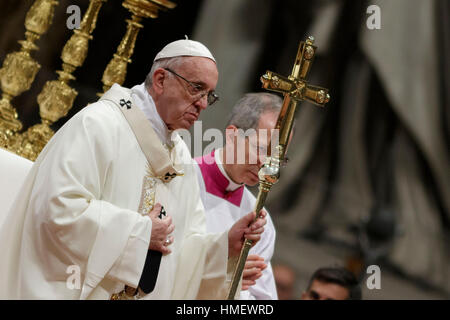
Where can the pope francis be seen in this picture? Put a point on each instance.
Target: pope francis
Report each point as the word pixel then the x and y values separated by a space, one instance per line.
pixel 91 201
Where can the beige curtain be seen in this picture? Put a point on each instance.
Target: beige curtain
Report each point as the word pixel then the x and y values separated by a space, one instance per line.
pixel 380 149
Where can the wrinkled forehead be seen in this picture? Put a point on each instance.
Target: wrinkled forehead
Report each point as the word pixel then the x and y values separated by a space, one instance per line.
pixel 197 64
pixel 200 70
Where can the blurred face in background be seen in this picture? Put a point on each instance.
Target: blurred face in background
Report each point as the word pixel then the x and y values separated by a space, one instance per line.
pixel 320 290
pixel 285 281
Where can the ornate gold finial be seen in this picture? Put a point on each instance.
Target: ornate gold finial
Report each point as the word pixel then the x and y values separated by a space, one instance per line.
pixel 19 68
pixel 310 40
pixel 116 70
pixel 57 97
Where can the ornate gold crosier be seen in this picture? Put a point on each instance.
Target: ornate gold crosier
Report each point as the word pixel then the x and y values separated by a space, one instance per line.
pixel 116 70
pixel 295 88
pixel 57 97
pixel 19 68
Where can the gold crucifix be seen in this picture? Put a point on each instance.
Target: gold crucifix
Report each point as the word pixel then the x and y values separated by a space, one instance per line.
pixel 295 88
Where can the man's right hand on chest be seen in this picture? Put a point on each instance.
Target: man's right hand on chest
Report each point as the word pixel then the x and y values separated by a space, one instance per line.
pixel 161 229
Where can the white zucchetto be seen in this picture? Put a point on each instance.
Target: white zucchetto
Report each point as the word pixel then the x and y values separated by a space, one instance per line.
pixel 184 47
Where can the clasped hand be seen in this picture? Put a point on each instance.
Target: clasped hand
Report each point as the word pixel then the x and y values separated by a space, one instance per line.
pixel 161 229
pixel 245 228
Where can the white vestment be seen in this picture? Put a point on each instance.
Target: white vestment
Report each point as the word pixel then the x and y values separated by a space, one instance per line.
pixel 82 209
pixel 226 202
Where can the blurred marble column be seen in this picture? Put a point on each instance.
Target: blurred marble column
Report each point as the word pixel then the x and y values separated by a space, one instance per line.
pixel 233 30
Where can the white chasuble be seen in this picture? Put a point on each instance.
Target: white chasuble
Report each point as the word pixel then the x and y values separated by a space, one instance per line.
pixel 226 202
pixel 78 227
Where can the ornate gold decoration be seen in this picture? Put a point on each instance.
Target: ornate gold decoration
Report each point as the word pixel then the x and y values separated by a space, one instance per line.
pixel 129 293
pixel 57 97
pixel 116 69
pixel 148 192
pixel 146 205
pixel 294 88
pixel 19 68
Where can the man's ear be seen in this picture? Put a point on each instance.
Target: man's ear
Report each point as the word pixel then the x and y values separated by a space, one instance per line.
pixel 230 133
pixel 158 80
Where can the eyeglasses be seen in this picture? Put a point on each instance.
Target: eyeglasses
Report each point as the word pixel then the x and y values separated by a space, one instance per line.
pixel 197 90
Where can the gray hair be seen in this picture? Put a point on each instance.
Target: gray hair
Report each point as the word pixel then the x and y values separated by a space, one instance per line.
pixel 247 111
pixel 163 63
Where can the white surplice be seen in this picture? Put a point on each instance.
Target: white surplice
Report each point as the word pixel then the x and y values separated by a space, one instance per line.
pixel 226 202
pixel 79 210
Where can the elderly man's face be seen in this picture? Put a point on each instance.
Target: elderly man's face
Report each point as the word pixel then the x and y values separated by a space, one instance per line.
pixel 178 106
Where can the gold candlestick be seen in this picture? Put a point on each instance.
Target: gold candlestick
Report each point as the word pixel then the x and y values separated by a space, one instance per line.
pixel 116 70
pixel 19 68
pixel 57 97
